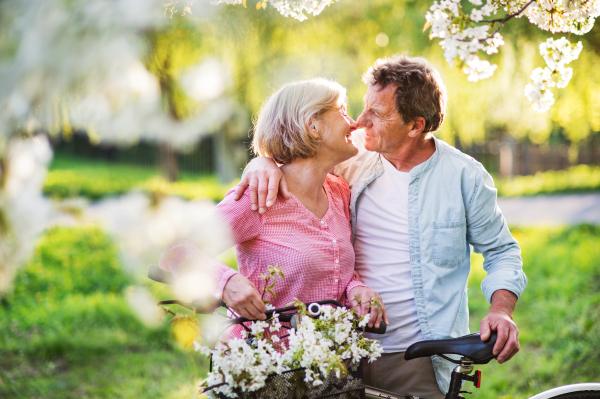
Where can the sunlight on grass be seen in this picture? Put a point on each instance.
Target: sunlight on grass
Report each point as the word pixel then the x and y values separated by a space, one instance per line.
pixel 67 332
pixel 578 178
pixel 72 177
pixel 558 315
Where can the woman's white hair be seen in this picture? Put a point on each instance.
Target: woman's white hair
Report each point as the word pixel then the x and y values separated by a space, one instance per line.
pixel 282 129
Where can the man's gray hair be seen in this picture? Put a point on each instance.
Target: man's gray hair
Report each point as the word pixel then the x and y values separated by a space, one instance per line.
pixel 420 90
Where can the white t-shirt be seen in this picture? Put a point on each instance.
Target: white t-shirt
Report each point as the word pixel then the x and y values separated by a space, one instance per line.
pixel 383 254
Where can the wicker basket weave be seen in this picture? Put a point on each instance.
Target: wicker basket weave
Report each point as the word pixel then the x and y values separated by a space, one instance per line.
pixel 291 385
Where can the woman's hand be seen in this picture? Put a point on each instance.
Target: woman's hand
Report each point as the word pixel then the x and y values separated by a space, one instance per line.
pixel 361 297
pixel 241 295
pixel 264 180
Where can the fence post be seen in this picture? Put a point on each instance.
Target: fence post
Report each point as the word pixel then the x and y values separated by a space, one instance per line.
pixel 507 157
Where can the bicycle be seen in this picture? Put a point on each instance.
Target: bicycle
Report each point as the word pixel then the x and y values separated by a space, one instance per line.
pixel 470 348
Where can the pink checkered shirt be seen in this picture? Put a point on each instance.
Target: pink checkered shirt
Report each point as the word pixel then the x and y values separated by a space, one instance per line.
pixel 316 254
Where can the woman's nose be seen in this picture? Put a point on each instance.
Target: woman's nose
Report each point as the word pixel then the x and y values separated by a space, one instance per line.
pixel 353 124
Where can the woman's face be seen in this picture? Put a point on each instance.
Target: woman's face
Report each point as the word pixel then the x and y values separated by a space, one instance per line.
pixel 335 136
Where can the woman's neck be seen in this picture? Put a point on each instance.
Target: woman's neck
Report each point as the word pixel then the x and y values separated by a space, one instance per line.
pixel 305 179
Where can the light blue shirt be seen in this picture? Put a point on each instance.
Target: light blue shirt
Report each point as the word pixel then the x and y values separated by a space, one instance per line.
pixel 451 206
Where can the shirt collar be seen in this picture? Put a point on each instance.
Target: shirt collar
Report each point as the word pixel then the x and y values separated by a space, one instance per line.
pixel 418 170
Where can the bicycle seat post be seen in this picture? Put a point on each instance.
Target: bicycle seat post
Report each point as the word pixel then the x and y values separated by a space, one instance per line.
pixel 460 374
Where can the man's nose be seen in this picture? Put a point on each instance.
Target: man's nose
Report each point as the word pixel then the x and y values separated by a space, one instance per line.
pixel 362 121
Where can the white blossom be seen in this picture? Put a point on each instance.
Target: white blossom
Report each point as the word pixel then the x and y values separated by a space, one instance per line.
pixel 319 345
pixel 292 8
pixel 556 53
pixel 365 320
pixel 464 35
pixel 24 212
pixel 81 60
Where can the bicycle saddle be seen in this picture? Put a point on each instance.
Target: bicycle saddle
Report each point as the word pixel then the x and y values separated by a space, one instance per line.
pixel 469 346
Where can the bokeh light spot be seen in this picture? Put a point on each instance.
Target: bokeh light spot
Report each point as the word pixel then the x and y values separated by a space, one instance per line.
pixel 382 39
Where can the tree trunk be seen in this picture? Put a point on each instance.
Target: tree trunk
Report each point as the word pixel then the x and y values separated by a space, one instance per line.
pixel 168 162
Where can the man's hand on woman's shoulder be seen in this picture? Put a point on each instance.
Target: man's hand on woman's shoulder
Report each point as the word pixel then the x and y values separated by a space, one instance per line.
pixel 264 181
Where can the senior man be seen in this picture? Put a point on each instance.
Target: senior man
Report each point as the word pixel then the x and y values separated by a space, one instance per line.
pixel 417 206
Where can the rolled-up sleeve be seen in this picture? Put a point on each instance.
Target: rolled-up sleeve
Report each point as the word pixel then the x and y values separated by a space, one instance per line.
pixel 354 282
pixel 488 233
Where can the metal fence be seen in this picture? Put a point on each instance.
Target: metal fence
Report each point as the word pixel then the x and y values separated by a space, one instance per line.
pixel 509 158
pixel 197 159
pixel 506 158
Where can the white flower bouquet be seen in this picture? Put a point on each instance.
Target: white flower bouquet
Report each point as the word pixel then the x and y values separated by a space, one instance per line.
pixel 319 357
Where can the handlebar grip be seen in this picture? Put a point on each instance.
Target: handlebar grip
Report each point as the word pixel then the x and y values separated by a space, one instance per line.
pixel 380 330
pixel 157 274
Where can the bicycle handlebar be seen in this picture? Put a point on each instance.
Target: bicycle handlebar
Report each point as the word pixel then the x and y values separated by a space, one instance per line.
pixel 159 275
pixel 288 318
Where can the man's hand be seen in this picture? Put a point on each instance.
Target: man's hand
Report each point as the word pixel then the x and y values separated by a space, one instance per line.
pixel 500 319
pixel 360 298
pixel 264 179
pixel 241 295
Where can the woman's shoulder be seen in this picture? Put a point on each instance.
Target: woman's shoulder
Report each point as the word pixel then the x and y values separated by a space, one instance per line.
pixel 244 204
pixel 336 183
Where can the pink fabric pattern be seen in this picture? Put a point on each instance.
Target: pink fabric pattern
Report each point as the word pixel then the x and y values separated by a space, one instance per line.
pixel 316 255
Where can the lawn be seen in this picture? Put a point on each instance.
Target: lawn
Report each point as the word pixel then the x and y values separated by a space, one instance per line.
pixel 558 315
pixel 576 179
pixel 70 177
pixel 67 332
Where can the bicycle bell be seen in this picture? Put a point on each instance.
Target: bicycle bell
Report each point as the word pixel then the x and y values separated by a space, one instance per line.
pixel 314 309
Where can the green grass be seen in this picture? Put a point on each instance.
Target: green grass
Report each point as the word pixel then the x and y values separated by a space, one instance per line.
pixel 67 331
pixel 576 179
pixel 558 315
pixel 72 177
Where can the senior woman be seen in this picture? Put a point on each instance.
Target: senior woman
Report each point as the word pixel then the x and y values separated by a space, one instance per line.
pixel 304 127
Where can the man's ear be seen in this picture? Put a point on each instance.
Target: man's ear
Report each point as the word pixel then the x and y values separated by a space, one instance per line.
pixel 418 124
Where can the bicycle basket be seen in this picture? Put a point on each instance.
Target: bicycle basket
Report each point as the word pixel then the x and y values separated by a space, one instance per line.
pixel 291 385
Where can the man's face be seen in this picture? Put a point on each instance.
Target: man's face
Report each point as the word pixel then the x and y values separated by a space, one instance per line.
pixel 381 121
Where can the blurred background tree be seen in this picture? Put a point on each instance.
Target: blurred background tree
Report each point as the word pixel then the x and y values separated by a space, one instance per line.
pixel 192 84
pixel 490 119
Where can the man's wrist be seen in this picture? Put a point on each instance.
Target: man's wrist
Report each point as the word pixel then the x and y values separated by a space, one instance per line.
pixel 504 301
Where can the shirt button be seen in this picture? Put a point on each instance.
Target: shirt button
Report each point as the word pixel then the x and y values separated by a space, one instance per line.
pixel 337 261
pixel 334 240
pixel 336 280
pixel 322 222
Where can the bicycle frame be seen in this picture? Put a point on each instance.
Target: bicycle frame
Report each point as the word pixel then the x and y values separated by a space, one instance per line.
pixel 566 389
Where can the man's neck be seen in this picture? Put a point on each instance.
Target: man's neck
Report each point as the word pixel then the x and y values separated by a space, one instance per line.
pixel 411 153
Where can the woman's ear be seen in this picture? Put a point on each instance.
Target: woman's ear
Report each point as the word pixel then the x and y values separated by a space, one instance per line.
pixel 314 126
